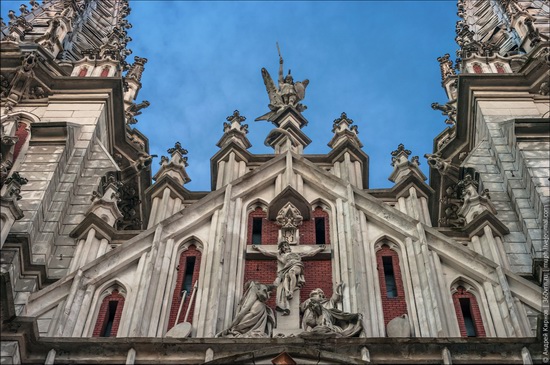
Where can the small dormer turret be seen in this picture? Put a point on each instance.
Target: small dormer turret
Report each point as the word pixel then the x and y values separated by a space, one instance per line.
pixel 167 195
pixel 349 161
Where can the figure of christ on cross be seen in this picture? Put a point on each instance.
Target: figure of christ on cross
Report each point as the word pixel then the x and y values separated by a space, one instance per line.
pixel 290 272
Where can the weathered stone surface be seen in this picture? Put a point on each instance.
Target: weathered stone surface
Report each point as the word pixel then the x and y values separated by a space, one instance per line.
pixel 399 327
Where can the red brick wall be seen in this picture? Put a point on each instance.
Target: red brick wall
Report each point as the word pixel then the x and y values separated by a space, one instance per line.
pixel 317 273
pixel 176 297
pixel 270 229
pixel 474 310
pixel 307 229
pixel 262 271
pixel 392 307
pixel 102 316
pixel 22 134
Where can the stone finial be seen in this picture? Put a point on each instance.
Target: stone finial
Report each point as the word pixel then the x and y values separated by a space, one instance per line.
pixel 175 165
pixel 446 66
pixel 235 121
pixel 234 131
pixel 402 167
pixel 136 69
pixel 178 150
pixel 344 129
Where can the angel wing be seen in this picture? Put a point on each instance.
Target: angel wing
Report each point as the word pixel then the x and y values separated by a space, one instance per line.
pixel 274 96
pixel 300 88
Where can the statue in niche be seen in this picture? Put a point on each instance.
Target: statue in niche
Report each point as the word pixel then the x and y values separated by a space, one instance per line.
pixel 321 317
pixel 254 318
pixel 290 274
pixel 289 218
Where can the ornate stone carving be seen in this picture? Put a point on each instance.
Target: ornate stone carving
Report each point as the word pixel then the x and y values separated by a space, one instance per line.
pixel 20 84
pixel 134 110
pixel 444 167
pixel 136 69
pixel 402 167
pixel 446 66
pixel 289 93
pixel 322 318
pixel 254 319
pixel 174 166
pixel 235 121
pixel 14 184
pixel 290 274
pixel 448 110
pixel 289 218
pixel 344 129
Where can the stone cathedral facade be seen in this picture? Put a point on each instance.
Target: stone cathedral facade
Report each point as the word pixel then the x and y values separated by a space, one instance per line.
pixel 291 257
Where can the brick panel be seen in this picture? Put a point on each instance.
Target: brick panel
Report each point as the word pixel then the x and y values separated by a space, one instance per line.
pixel 22 134
pixel 474 309
pixel 176 296
pixel 270 229
pixel 102 316
pixel 318 274
pixel 307 229
pixel 392 307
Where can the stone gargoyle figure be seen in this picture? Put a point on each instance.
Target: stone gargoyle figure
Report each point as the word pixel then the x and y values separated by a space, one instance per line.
pixel 321 317
pixel 254 318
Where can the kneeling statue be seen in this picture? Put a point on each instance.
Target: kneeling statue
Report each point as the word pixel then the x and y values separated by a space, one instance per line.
pixel 321 317
pixel 254 318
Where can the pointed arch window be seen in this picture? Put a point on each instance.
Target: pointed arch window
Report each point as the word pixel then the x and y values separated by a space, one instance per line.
pixel 468 313
pixel 188 271
pixel 83 71
pixel 105 71
pixel 260 229
pixel 110 313
pixel 477 68
pixel 392 291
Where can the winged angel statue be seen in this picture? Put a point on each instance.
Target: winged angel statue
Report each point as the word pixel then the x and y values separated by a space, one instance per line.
pixel 289 93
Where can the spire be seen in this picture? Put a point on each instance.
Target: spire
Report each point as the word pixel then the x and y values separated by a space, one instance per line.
pixel 175 165
pixel 235 131
pixel 402 167
pixel 344 131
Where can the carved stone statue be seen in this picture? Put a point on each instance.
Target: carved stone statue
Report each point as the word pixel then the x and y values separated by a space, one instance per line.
pixel 290 274
pixel 254 318
pixel 321 317
pixel 289 93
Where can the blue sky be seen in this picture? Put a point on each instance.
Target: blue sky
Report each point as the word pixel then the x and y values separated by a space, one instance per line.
pixel 374 60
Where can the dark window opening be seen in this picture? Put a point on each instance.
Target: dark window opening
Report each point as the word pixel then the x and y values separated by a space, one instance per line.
pixel 467 315
pixel 320 231
pixel 188 278
pixel 391 287
pixel 109 319
pixel 256 231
